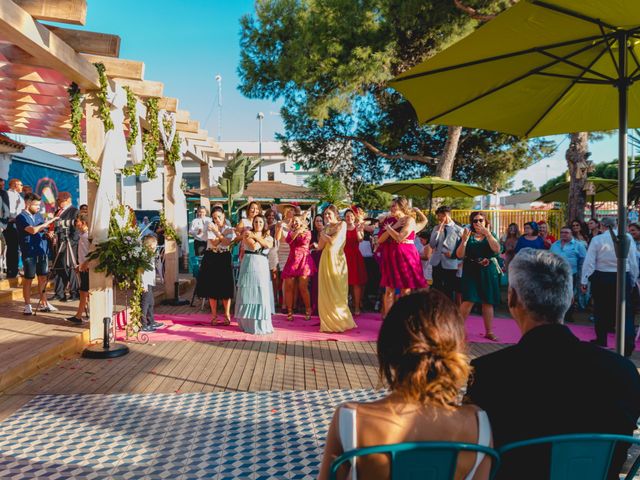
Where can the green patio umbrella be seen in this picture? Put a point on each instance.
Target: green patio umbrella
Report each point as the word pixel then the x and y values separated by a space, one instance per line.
pixel 606 190
pixel 432 187
pixel 542 68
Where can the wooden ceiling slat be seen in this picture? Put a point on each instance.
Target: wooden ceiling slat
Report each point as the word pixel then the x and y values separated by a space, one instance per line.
pixel 169 104
pixel 63 11
pixel 32 74
pixel 119 67
pixel 33 98
pixel 18 27
pixel 142 88
pixel 83 41
pixel 191 126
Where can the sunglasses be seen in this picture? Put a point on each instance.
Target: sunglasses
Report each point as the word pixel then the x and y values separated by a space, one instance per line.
pixel 478 220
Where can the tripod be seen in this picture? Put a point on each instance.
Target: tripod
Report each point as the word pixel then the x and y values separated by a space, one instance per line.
pixel 69 262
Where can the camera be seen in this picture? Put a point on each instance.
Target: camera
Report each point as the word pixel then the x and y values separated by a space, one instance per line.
pixel 65 223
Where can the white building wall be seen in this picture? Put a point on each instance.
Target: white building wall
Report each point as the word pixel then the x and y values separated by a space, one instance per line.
pixel 284 170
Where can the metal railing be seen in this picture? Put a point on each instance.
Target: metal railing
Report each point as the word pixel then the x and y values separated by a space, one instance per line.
pixel 500 219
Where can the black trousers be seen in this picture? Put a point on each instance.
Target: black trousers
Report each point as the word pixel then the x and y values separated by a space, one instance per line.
pixel 65 274
pixel 603 291
pixel 146 305
pixel 199 247
pixel 445 280
pixel 11 237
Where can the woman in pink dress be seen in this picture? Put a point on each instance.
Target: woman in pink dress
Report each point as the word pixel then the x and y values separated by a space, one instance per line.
pixel 400 267
pixel 355 261
pixel 299 266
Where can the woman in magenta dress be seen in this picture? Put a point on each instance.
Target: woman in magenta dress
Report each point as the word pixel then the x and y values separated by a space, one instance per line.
pixel 316 230
pixel 355 262
pixel 298 267
pixel 401 268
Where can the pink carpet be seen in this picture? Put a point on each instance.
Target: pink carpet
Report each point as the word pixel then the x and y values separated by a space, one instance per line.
pixel 197 328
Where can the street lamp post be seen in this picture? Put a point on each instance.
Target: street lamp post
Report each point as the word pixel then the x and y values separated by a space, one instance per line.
pixel 260 117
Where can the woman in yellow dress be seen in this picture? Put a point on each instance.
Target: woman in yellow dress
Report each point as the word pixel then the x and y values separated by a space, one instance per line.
pixel 333 287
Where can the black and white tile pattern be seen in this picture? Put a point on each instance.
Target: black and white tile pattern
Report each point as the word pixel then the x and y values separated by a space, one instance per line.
pixel 229 435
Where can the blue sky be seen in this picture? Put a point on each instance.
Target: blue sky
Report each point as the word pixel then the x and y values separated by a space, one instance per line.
pixel 184 44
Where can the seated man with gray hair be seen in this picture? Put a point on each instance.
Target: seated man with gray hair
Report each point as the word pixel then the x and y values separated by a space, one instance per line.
pixel 550 383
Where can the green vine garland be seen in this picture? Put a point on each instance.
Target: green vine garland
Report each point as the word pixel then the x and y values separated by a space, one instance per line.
pixel 104 110
pixel 132 114
pixel 172 154
pixel 152 139
pixel 169 232
pixel 75 132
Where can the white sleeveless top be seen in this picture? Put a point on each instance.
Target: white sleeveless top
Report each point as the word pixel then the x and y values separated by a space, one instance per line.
pixel 348 437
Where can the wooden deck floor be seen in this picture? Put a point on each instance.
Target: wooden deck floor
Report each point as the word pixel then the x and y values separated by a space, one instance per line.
pixel 185 367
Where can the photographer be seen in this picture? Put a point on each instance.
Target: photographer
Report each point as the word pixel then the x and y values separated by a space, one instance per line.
pixel 66 261
pixel 31 229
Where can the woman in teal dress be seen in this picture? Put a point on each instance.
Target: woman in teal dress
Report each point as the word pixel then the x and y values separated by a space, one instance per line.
pixel 479 249
pixel 254 297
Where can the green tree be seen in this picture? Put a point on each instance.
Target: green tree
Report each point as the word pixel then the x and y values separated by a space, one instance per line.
pixel 329 61
pixel 369 198
pixel 237 175
pixel 527 186
pixel 329 189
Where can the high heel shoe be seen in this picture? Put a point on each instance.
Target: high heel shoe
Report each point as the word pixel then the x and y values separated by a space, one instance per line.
pixel 307 315
pixel 290 316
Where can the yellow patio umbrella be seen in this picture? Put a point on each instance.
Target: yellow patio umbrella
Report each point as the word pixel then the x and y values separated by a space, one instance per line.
pixel 542 68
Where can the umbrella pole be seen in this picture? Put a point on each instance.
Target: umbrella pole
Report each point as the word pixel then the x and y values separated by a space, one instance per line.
pixel 622 243
pixel 593 206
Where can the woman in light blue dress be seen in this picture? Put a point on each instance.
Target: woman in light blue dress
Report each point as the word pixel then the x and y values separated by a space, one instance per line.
pixel 254 297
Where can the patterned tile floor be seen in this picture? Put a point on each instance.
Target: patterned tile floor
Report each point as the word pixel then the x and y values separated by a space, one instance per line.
pixel 228 435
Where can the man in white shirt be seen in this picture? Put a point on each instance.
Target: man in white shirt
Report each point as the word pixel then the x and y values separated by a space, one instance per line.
pixel 16 206
pixel 600 267
pixel 199 231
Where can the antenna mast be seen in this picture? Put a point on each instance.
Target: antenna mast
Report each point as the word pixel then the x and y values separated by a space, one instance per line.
pixel 219 81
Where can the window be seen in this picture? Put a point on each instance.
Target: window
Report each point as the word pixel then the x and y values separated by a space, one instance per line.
pixel 271 176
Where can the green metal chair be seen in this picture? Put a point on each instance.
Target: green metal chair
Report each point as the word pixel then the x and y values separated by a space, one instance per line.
pixel 579 456
pixel 423 460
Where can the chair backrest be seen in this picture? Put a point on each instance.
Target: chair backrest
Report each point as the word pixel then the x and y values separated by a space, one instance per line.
pixel 585 456
pixel 423 460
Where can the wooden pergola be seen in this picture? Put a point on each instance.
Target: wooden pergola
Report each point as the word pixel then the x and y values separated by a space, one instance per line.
pixel 38 62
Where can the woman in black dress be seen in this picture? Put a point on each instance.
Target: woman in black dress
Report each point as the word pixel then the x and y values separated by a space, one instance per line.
pixel 215 280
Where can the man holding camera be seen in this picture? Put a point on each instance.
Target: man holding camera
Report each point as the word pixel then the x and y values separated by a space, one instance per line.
pixel 32 233
pixel 66 234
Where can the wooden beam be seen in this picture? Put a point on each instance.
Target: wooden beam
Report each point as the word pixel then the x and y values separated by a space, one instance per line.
pixel 169 104
pixel 142 88
pixel 63 11
pixel 89 42
pixel 182 116
pixel 119 67
pixel 18 27
pixel 200 135
pixel 191 126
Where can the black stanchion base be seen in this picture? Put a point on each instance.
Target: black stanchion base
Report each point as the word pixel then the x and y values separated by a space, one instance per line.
pixel 175 302
pixel 98 351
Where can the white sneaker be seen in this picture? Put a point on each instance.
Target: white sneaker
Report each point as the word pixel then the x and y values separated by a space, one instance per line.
pixel 27 310
pixel 48 308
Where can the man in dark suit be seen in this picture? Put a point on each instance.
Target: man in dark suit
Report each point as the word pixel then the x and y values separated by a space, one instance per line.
pixel 66 232
pixel 550 383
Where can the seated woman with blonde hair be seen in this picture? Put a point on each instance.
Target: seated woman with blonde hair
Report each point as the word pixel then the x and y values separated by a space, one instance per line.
pixel 421 352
